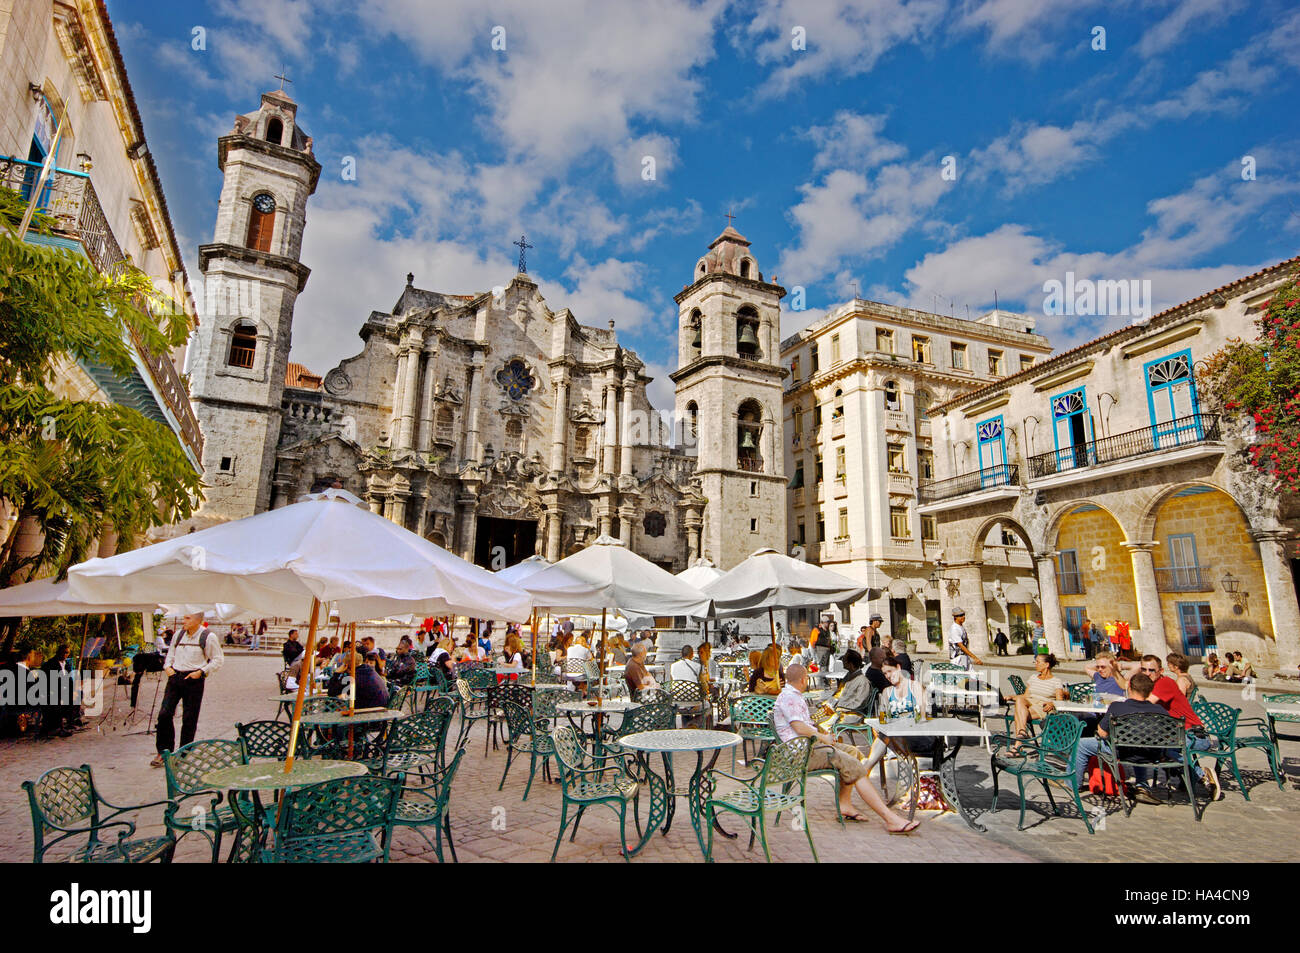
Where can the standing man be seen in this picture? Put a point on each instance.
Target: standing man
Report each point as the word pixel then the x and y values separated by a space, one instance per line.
pixel 195 654
pixel 876 623
pixel 822 645
pixel 959 652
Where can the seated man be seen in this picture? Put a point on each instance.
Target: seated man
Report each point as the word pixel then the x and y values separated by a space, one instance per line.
pixel 635 673
pixel 1106 677
pixel 792 719
pixel 685 669
pixel 1139 691
pixel 401 667
pixel 851 703
pixel 875 672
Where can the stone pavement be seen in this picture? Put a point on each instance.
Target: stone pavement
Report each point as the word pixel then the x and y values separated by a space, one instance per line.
pixel 488 825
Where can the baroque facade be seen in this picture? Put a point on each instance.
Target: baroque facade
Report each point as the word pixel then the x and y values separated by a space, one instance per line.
pixel 1135 498
pixel 487 422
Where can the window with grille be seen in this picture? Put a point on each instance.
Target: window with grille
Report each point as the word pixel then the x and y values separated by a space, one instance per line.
pixel 897 458
pixel 243 346
pixel 930 528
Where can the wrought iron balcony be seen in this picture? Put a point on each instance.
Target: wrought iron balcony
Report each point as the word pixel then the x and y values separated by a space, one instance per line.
pixel 1070 583
pixel 70 199
pixel 1005 474
pixel 1184 579
pixel 750 464
pixel 1187 431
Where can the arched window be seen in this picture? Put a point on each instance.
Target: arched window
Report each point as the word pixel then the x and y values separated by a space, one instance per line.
pixel 892 401
pixel 749 431
pixel 700 269
pixel 744 268
pixel 692 423
pixel 837 410
pixel 581 439
pixel 747 333
pixel 261 222
pixel 243 345
pixel 697 331
pixel 275 131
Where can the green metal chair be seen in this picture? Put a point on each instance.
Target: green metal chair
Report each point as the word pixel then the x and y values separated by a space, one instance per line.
pixel 185 768
pixel 658 716
pixel 587 780
pixel 785 768
pixel 1153 736
pixel 751 718
pixel 1080 691
pixel 423 685
pixel 399 699
pixel 690 701
pixel 945 667
pixel 1049 758
pixel 423 804
pixel 473 707
pixel 66 806
pixel 345 821
pixel 525 739
pixel 266 739
pixel 648 696
pixel 1221 723
pixel 1271 720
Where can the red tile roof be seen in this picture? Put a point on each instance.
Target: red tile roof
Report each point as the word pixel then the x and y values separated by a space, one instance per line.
pixel 296 375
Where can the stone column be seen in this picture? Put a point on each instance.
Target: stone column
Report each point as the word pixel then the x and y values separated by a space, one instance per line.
pixel 971 598
pixel 626 516
pixel 609 432
pixel 1049 597
pixel 605 519
pixel 468 503
pixel 473 449
pixel 1151 638
pixel 560 423
pixel 398 514
pixel 425 439
pixel 692 523
pixel 625 428
pixel 1282 606
pixel 399 390
pixel 410 388
pixel 770 450
pixel 554 528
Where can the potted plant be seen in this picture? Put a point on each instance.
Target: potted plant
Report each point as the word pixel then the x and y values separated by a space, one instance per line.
pixel 902 633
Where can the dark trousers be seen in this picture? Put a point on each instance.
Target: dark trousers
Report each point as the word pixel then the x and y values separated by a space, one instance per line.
pixel 180 689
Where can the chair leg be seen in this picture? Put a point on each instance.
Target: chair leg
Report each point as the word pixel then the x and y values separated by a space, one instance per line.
pixel 532 770
pixel 451 845
pixel 564 822
pixel 1051 800
pixel 994 771
pixel 622 831
pixel 1020 826
pixel 576 821
pixel 708 815
pixel 1191 791
pixel 216 846
pixel 762 828
pixel 1078 802
pixel 510 756
pixel 807 826
pixel 1236 773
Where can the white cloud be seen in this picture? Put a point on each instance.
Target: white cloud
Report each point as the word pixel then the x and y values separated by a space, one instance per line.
pixel 1027 29
pixel 853 140
pixel 843 37
pixel 597 293
pixel 1032 154
pixel 286 24
pixel 1187 17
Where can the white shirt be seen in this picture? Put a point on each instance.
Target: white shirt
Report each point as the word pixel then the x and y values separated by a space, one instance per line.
pixel 580 652
pixel 684 670
pixel 187 653
pixel 957 636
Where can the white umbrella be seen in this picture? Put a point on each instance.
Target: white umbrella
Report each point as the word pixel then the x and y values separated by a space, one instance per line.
pixel 522 570
pixel 768 580
pixel 327 549
pixel 275 563
pixel 45 597
pixel 700 576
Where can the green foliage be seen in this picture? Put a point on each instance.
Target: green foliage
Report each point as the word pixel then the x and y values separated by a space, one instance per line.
pixel 79 466
pixel 1022 632
pixel 1262 378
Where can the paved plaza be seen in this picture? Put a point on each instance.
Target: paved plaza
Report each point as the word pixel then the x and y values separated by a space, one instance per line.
pixel 488 825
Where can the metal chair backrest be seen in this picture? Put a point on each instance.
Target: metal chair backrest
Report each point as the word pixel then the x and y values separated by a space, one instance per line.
pixel 786 762
pixel 265 739
pixel 1150 731
pixel 519 720
pixel 752 709
pixel 186 766
pixel 1080 691
pixel 686 693
pixel 1059 737
pixel 397 700
pixel 1217 718
pixel 480 680
pixel 575 666
pixel 656 716
pixel 321 704
pixel 424 732
pixel 62 797
pixel 316 816
pixel 1017 684
pixel 648 696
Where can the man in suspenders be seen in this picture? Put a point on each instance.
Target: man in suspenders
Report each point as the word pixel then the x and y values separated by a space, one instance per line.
pixel 195 654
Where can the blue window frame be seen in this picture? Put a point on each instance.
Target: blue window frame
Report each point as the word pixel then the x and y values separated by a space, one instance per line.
pixel 992 441
pixel 1171 399
pixel 1197 625
pixel 1071 428
pixel 1074 616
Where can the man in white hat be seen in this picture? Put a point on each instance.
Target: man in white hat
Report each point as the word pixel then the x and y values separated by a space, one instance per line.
pixel 195 654
pixel 959 652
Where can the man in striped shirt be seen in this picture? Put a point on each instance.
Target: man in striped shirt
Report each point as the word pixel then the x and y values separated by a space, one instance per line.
pixel 195 654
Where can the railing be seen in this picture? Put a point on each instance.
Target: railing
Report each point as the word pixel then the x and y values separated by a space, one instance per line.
pixel 70 199
pixel 1184 579
pixel 1182 432
pixel 1070 583
pixel 1003 475
pixel 241 356
pixel 750 464
pixel 837 426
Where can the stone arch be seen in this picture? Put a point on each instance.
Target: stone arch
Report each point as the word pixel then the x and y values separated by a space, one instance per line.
pixel 976 553
pixel 1151 509
pixel 1065 509
pixel 275 130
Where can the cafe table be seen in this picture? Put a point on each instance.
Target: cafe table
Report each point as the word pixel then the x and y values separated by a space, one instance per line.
pixel 246 783
pixel 341 719
pixel 577 711
pixel 898 733
pixel 664 789
pixel 287 699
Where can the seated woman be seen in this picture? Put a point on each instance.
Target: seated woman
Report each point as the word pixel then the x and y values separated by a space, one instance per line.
pixel 440 658
pixel 1041 692
pixel 1178 667
pixel 767 676
pixel 618 647
pixel 1212 670
pixel 904 697
pixel 471 651
pixel 513 657
pixel 703 654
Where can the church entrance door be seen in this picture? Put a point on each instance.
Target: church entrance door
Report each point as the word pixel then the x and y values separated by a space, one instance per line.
pixel 517 540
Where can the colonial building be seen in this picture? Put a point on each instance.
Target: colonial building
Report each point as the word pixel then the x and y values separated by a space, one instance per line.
pixel 488 422
pixel 66 101
pixel 1135 500
pixel 859 439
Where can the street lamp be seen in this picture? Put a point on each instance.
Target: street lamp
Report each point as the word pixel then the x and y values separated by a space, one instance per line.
pixel 1232 586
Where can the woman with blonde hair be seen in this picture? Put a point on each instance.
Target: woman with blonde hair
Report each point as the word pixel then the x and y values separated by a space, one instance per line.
pixel 704 653
pixel 767 676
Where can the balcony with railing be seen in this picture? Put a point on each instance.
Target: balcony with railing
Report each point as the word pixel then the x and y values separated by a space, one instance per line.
pixel 749 463
pixel 71 200
pixel 837 426
pixel 1183 432
pixel 1184 579
pixel 1005 474
pixel 1070 583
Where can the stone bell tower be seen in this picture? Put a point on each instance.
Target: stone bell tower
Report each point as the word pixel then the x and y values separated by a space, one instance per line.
pixel 252 277
pixel 728 399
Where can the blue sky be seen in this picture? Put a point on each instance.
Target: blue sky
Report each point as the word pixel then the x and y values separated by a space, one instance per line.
pixel 1117 163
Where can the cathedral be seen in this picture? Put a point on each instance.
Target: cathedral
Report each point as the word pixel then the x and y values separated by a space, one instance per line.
pixel 489 422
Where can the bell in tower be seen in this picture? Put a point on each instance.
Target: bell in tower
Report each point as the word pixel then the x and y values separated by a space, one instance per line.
pixel 747 342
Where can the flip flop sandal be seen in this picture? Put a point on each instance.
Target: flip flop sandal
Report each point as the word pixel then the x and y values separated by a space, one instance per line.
pixel 911 826
pixel 854 816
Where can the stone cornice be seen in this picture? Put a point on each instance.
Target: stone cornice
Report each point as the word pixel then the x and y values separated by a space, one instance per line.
pixel 253 144
pixel 762 286
pixel 253 257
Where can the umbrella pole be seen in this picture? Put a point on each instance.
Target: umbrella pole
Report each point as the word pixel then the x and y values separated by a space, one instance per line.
pixel 533 654
pixel 302 684
pixel 81 653
pixel 600 695
pixel 352 668
pixel 771 623
pixel 118 629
